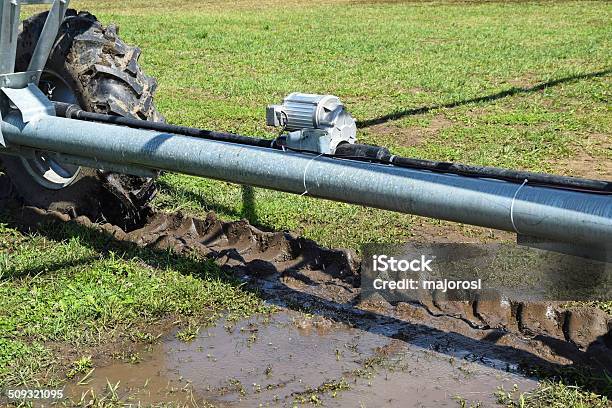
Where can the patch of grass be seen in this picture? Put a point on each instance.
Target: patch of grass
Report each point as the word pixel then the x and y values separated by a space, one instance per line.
pixel 605 306
pixel 313 396
pixel 463 403
pixel 188 333
pixel 21 360
pixel 110 398
pixel 80 366
pixel 551 394
pixel 82 290
pixel 566 387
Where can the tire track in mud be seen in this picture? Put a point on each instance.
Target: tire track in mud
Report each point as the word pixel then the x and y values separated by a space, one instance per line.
pixel 295 272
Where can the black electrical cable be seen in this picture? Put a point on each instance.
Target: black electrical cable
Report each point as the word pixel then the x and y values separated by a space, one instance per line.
pixel 72 111
pixel 355 151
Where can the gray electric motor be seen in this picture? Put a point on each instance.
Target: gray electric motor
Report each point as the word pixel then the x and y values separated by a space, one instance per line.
pixel 318 123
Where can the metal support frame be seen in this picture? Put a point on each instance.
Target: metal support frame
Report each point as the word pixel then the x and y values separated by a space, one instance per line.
pixel 30 101
pixel 20 88
pixel 9 27
pixel 48 35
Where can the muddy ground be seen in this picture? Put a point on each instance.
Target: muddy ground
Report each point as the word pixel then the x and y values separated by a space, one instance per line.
pixel 327 344
pixel 293 358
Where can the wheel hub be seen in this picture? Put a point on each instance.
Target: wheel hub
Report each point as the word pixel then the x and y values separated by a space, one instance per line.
pixel 45 170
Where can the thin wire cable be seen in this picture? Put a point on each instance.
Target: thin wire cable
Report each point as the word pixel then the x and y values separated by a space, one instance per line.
pixel 512 205
pixel 306 170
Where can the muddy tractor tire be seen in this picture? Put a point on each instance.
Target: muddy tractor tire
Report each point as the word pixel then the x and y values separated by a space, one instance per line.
pixel 92 67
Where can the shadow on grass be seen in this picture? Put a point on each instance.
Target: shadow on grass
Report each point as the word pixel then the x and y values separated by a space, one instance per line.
pixel 488 98
pixel 248 205
pixel 247 211
pixel 47 268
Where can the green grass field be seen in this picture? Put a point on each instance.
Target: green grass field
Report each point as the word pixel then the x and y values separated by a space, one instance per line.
pixel 521 85
pixel 406 71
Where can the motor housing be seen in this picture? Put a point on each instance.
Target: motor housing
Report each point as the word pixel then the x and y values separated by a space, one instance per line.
pixel 317 123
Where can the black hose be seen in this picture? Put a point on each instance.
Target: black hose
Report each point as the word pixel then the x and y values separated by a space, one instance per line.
pixel 352 151
pixel 71 111
pixel 516 176
pixel 382 155
pixel 375 153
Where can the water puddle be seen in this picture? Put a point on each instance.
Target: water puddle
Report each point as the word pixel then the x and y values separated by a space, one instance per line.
pixel 294 359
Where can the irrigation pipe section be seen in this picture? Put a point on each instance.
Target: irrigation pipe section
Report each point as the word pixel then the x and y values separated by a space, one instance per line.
pixel 568 214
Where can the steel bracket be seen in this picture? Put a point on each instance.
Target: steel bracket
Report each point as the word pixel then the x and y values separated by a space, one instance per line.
pixel 19 79
pixel 30 101
pixel 9 29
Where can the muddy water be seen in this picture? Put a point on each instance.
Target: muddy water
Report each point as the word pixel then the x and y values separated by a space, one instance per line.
pixel 146 383
pixel 292 357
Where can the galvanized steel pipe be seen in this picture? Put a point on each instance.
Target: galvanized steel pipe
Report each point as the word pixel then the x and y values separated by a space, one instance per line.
pixel 569 216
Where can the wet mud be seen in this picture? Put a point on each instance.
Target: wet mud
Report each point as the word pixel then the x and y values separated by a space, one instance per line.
pixel 295 272
pixel 293 359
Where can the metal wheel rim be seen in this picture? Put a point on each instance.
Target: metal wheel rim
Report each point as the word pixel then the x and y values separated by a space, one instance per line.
pixel 43 168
